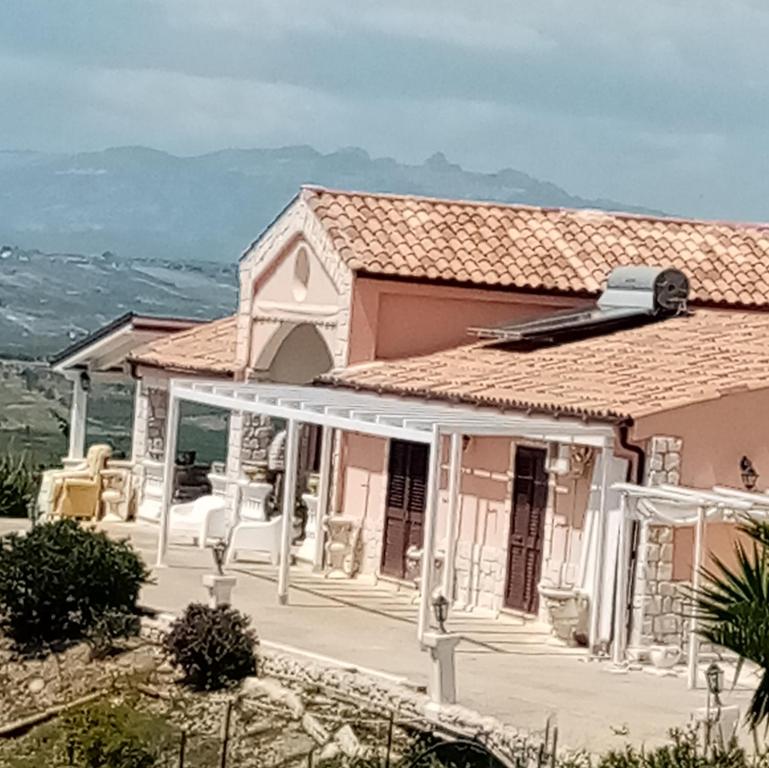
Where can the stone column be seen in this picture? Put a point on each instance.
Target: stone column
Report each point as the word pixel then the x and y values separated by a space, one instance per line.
pixel 157 414
pixel 657 603
pixel 139 433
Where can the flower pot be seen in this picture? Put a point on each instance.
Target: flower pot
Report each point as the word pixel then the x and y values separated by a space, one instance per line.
pixel 664 656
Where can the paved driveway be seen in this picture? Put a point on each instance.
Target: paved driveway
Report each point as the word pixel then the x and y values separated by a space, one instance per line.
pixel 506 668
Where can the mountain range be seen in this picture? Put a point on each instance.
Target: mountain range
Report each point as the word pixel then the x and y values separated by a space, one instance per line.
pixel 140 202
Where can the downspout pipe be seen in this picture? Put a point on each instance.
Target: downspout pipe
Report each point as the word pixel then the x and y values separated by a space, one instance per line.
pixel 636 467
pixel 622 430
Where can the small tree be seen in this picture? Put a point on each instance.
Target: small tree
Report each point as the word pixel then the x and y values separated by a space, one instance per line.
pixel 733 605
pixel 18 486
pixel 102 735
pixel 59 581
pixel 213 646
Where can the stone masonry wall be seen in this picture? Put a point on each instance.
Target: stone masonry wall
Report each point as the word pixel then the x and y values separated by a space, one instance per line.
pixel 479 576
pixel 657 600
pixel 157 413
pixel 257 432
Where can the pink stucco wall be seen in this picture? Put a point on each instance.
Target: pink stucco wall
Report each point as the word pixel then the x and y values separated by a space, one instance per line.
pixel 716 434
pixel 485 491
pixel 392 318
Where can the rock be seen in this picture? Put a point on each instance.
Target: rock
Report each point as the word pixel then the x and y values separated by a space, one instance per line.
pixel 36 685
pixel 272 690
pixel 315 729
pixel 329 752
pixel 348 742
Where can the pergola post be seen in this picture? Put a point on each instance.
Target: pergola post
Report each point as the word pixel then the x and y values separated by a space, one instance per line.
pixel 600 555
pixel 620 593
pixel 639 587
pixel 324 489
pixel 289 501
pixel 172 433
pixel 77 418
pixel 428 542
pixel 694 639
pixel 455 470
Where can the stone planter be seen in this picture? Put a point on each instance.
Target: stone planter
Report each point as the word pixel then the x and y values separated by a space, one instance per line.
pixel 257 473
pixel 313 484
pixel 664 656
pixel 567 610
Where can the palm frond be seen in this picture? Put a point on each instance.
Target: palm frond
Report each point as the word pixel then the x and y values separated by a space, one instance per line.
pixel 732 606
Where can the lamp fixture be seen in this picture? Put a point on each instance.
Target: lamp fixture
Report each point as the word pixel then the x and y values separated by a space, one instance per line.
pixel 441 611
pixel 748 473
pixel 85 381
pixel 715 679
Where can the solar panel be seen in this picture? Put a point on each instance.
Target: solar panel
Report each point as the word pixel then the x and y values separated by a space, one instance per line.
pixel 563 324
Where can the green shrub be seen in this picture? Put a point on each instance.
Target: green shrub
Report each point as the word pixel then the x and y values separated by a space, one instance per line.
pixel 683 751
pixel 213 646
pixel 103 735
pixel 59 581
pixel 18 486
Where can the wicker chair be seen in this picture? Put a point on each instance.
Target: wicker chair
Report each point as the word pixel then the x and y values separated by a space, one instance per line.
pixel 77 493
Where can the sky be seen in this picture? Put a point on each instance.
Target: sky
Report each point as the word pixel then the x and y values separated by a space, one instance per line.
pixel 662 103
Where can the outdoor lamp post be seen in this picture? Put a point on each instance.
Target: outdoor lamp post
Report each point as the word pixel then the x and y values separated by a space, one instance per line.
pixel 218 550
pixel 441 611
pixel 748 473
pixel 715 679
pixel 218 585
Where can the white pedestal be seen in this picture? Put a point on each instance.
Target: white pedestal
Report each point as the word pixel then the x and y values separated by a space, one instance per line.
pixel 306 551
pixel 219 589
pixel 442 686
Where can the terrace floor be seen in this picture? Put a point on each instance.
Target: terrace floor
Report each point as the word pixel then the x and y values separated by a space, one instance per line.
pixel 506 667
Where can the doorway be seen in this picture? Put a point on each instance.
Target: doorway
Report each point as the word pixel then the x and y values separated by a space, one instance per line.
pixel 527 526
pixel 404 507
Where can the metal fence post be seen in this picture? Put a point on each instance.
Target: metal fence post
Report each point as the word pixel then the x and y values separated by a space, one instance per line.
pixel 226 734
pixel 182 748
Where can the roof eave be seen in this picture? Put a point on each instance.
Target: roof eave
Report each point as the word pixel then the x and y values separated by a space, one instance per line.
pixel 584 414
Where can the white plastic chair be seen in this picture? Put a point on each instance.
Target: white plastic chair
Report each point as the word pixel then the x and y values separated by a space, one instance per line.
pixel 201 520
pixel 254 532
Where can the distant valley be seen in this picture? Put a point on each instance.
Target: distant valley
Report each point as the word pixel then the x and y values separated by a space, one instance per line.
pixel 48 300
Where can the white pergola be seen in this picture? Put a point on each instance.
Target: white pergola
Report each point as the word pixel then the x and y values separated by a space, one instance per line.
pixel 386 416
pixel 675 506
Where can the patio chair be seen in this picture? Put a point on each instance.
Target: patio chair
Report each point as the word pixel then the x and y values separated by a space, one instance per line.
pixel 255 532
pixel 202 520
pixel 261 536
pixel 85 468
pixel 343 538
pixel 77 493
pixel 151 493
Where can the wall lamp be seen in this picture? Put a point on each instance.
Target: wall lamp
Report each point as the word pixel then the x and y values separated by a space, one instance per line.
pixel 748 473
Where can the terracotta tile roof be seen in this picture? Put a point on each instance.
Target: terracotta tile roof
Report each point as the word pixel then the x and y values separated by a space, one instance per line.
pixel 209 348
pixel 538 248
pixel 628 374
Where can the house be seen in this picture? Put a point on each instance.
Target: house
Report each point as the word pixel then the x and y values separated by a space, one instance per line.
pixel 495 452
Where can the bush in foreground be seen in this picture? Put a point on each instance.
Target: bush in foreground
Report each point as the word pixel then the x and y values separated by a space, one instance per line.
pixel 214 646
pixel 60 581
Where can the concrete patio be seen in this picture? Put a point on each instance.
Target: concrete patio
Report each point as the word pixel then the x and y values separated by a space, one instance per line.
pixel 507 668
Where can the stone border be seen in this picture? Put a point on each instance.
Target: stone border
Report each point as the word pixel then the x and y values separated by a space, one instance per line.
pixel 377 692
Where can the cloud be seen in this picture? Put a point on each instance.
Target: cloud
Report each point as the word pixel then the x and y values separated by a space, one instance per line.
pixel 663 104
